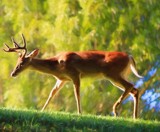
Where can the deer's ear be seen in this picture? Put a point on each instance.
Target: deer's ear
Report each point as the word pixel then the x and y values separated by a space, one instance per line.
pixel 34 53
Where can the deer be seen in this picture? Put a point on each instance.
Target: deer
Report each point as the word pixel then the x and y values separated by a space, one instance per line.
pixel 72 66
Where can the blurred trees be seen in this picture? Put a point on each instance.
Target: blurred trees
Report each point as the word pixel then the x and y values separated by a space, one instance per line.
pixel 53 26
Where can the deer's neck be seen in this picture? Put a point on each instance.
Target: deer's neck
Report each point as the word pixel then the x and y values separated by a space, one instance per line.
pixel 44 65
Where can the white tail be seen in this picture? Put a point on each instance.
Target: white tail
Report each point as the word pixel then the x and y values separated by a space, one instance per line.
pixel 133 67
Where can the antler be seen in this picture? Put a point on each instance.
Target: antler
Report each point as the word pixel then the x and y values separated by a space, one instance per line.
pixel 16 46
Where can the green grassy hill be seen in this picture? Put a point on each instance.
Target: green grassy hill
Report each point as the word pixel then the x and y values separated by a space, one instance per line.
pixel 31 120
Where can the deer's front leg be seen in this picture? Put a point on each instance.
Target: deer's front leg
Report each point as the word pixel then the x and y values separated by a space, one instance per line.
pixel 77 93
pixel 54 90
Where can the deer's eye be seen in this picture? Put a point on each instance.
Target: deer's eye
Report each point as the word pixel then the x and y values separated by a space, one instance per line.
pixel 21 64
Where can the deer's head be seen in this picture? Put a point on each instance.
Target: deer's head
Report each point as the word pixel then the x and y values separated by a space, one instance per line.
pixel 23 59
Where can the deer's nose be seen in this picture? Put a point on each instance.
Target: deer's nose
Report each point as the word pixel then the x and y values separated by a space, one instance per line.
pixel 13 74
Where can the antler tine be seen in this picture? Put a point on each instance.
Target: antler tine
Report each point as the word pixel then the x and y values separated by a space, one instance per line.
pixel 15 43
pixel 6 46
pixel 9 49
pixel 24 41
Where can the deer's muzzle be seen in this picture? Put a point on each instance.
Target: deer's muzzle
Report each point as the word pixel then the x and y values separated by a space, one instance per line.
pixel 13 74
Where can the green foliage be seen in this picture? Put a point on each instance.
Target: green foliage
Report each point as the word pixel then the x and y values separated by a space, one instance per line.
pixel 65 25
pixel 29 120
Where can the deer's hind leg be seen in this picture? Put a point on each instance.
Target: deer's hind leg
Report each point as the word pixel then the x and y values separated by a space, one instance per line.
pixel 128 88
pixel 135 95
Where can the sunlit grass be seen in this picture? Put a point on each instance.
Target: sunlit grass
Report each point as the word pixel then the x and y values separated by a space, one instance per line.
pixel 32 120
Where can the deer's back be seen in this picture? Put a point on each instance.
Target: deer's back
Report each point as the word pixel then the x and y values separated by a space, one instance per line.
pixel 94 62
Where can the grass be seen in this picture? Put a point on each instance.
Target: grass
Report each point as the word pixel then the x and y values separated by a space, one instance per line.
pixel 31 120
